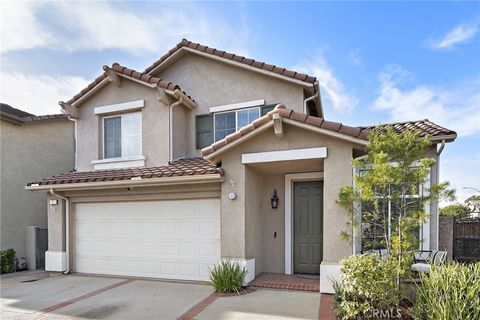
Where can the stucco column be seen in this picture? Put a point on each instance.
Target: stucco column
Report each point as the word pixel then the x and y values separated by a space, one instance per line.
pixel 55 257
pixel 337 173
pixel 233 211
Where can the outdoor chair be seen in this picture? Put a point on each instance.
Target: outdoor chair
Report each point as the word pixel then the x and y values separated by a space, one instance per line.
pixel 425 258
pixel 382 253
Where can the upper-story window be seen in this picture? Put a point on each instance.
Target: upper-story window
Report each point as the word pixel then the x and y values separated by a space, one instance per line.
pixel 122 135
pixel 218 124
pixel 226 123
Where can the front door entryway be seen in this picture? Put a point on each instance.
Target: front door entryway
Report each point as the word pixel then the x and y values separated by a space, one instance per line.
pixel 308 226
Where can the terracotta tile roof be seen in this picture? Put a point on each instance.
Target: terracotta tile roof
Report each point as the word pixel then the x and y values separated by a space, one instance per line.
pixel 45 117
pixel 142 76
pixel 22 116
pixel 230 56
pixel 424 126
pixel 183 167
pixel 13 111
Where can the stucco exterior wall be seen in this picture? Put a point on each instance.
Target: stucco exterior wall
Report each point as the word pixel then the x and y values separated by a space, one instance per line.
pixel 233 211
pixel 338 172
pixel 273 222
pixel 29 152
pixel 182 128
pixel 252 206
pixel 212 83
pixel 154 123
pixel 254 218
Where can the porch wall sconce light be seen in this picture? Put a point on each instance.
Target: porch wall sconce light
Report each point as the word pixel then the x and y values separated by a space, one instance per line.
pixel 274 200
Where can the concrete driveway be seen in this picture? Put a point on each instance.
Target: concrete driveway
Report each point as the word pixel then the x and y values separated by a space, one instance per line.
pixel 92 297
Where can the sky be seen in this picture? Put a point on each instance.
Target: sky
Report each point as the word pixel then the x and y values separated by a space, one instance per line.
pixel 376 62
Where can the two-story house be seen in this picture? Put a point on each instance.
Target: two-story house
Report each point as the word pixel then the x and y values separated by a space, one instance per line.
pixel 207 155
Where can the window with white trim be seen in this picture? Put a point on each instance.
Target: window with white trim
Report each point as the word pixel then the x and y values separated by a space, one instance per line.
pixel 122 135
pixel 228 122
pixel 379 218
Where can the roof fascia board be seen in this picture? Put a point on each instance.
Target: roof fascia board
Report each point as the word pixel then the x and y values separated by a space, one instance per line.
pixel 447 138
pixel 206 178
pixel 329 133
pixel 230 62
pixel 90 92
pixel 11 118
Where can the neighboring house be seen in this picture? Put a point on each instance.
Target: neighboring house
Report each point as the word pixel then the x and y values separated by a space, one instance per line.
pixel 180 165
pixel 31 147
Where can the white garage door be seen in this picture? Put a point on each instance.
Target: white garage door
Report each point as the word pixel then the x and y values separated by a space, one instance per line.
pixel 163 239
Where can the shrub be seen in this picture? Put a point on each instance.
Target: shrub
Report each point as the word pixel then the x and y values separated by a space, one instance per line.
pixel 7 260
pixel 227 276
pixel 367 283
pixel 450 291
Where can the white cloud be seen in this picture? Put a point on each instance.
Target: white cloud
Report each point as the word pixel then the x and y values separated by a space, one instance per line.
pixel 459 34
pixel 463 173
pixel 457 109
pixel 38 94
pixel 331 88
pixel 89 25
pixel 20 29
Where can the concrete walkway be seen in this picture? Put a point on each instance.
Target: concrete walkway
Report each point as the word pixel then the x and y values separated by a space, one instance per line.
pixel 265 304
pixel 91 297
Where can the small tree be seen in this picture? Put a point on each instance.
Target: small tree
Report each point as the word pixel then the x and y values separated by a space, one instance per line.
pixel 390 193
pixel 456 210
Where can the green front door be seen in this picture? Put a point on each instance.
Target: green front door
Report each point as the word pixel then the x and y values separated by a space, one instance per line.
pixel 308 226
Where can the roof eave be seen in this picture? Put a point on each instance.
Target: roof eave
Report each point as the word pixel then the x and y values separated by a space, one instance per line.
pixel 446 138
pixel 92 91
pixel 11 118
pixel 184 50
pixel 145 182
pixel 212 156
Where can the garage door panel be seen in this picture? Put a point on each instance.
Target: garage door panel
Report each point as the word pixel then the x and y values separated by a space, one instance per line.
pixel 164 239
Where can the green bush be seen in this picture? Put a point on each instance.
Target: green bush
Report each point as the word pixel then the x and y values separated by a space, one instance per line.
pixel 450 291
pixel 7 260
pixel 227 276
pixel 368 283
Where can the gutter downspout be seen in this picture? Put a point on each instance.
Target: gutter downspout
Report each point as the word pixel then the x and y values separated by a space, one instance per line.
pixel 439 152
pixel 67 228
pixel 75 137
pixel 307 100
pixel 170 128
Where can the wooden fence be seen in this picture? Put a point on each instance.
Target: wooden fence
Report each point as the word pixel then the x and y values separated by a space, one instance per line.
pixel 466 239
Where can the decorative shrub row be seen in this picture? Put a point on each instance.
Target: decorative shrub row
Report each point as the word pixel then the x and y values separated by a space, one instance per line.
pixel 368 284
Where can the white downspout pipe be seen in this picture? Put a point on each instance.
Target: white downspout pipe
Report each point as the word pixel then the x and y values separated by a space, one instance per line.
pixel 75 137
pixel 307 100
pixel 439 152
pixel 170 128
pixel 67 228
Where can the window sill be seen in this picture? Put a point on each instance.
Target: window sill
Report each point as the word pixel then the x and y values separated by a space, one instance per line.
pixel 118 163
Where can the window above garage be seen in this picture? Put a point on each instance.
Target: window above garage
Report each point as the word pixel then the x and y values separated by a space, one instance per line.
pixel 122 135
pixel 223 121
